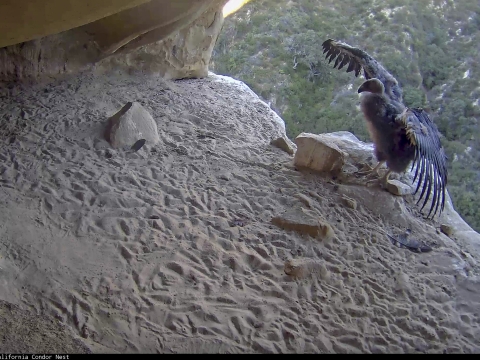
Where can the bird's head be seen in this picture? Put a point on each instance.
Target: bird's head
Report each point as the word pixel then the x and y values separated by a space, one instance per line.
pixel 374 86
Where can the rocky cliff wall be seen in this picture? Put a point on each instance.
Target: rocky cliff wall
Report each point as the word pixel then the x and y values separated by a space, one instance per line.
pixel 169 38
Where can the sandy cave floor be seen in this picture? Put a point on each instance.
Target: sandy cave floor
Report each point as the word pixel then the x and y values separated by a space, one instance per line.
pixel 145 252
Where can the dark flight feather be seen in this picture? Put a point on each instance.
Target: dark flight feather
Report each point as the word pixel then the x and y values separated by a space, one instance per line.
pixel 433 155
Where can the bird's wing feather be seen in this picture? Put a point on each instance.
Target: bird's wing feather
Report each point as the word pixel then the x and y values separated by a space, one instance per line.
pixel 430 160
pixel 346 54
pixel 357 60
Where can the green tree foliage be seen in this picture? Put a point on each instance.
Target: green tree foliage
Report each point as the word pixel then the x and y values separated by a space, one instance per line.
pixel 429 45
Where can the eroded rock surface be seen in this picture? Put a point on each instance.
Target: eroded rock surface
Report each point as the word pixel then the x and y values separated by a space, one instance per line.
pixel 179 54
pixel 177 39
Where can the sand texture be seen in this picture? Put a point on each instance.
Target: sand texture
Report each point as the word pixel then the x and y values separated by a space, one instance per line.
pixel 174 248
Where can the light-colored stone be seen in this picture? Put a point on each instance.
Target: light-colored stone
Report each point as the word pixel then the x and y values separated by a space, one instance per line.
pixel 305 200
pixel 225 175
pixel 317 153
pixel 359 153
pixel 300 268
pixel 398 188
pixel 298 220
pixel 284 144
pixel 349 202
pixel 131 124
pixel 446 229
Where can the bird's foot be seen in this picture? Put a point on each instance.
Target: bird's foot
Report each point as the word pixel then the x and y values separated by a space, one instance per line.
pixel 368 172
pixel 382 181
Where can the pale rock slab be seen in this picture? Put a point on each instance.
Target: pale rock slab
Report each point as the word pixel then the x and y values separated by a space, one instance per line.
pixel 446 229
pixel 349 202
pixel 318 153
pixel 298 220
pixel 285 144
pixel 301 268
pixel 398 188
pixel 305 200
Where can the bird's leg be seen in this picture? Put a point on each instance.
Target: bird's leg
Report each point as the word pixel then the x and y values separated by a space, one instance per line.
pixel 382 181
pixel 371 171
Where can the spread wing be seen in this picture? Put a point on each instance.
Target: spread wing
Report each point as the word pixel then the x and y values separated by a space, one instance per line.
pixel 430 161
pixel 357 60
